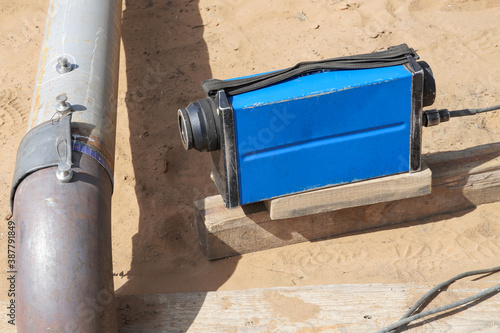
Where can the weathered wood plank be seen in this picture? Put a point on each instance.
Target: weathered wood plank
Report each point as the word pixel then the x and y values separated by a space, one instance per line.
pixel 383 189
pixel 329 308
pixel 460 181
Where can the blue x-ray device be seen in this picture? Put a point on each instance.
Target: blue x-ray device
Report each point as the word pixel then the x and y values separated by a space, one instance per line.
pixel 313 125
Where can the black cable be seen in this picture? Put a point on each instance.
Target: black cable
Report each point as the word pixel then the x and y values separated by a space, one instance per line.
pixel 395 55
pixel 485 293
pixel 407 317
pixel 470 112
pixel 435 117
pixel 445 284
pixel 491 108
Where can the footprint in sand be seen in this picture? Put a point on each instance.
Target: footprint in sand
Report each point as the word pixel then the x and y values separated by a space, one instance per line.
pixel 12 114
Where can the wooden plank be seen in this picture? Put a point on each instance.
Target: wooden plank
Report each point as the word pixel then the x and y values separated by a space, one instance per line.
pixel 460 181
pixel 329 308
pixel 383 189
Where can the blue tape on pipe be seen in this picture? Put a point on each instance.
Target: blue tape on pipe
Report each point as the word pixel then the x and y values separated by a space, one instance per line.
pixel 92 152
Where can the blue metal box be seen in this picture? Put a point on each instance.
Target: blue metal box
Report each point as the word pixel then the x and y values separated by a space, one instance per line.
pixel 324 128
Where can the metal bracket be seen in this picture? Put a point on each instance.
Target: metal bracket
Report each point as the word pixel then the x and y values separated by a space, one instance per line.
pixel 36 150
pixel 417 97
pixel 224 163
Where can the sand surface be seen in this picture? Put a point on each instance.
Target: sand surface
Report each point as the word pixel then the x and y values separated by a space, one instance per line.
pixel 169 47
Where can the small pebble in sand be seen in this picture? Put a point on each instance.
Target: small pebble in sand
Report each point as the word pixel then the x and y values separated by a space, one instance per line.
pixel 302 16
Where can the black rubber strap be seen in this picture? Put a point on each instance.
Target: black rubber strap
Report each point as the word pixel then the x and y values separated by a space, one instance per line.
pixel 395 55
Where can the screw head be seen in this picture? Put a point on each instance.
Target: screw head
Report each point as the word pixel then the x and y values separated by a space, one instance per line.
pixel 62 105
pixel 64 173
pixel 62 98
pixel 63 66
pixel 62 61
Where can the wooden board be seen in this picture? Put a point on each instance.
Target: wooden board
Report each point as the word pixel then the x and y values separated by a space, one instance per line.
pixel 460 181
pixel 383 189
pixel 330 308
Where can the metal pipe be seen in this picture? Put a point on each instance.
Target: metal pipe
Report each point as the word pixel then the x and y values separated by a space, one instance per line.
pixel 64 279
pixel 87 34
pixel 61 196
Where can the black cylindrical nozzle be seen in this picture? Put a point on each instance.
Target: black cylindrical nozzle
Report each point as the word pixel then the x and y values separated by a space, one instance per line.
pixel 197 126
pixel 435 117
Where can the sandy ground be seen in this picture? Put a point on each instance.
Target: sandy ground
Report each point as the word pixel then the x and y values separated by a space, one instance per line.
pixel 169 47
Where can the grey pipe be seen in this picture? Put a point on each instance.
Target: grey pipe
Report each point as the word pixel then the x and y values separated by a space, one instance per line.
pixel 87 34
pixel 61 194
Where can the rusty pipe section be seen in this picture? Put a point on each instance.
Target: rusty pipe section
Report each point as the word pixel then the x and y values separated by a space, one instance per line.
pixel 64 266
pixel 61 193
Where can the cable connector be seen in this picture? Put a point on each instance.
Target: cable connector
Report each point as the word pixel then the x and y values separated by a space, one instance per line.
pixel 435 117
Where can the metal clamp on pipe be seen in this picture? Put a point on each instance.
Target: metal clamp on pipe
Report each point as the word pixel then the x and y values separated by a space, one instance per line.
pixel 44 146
